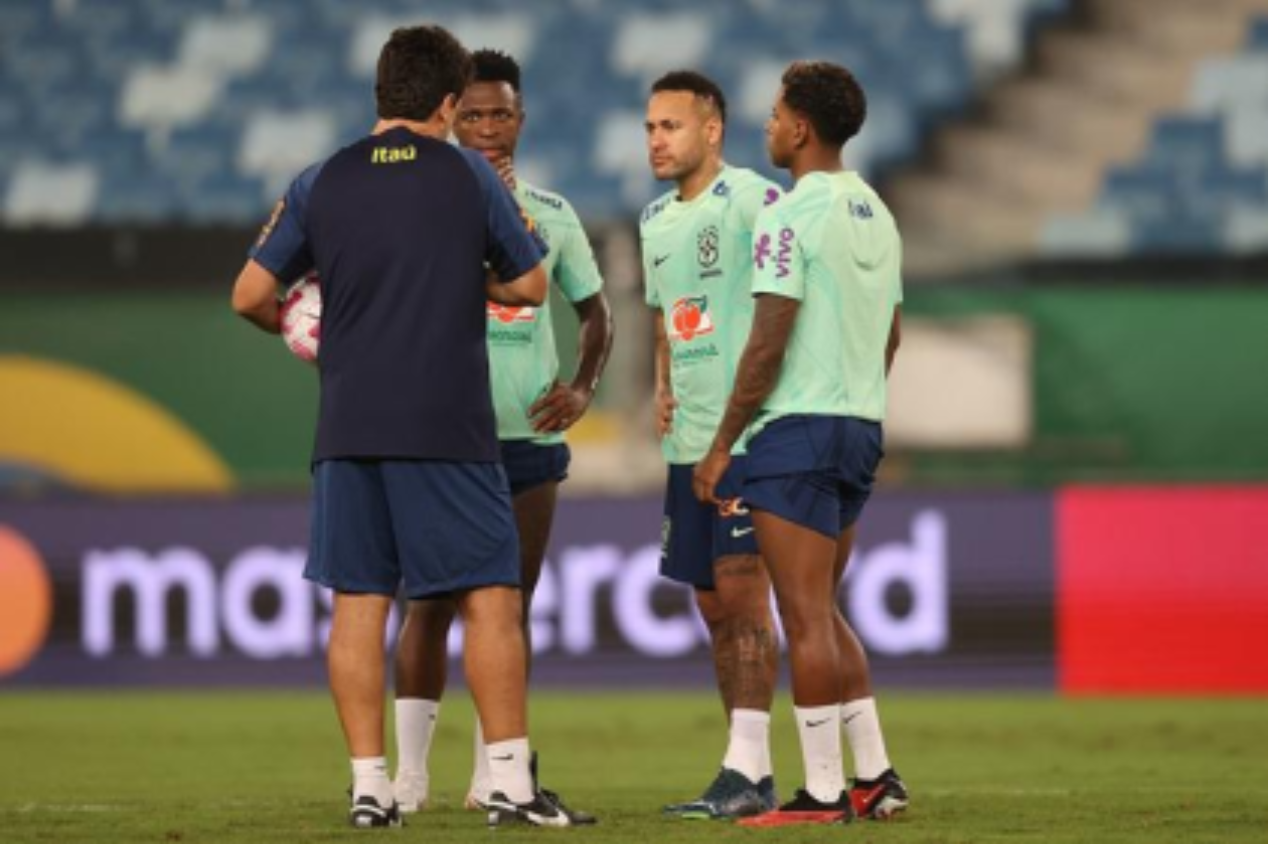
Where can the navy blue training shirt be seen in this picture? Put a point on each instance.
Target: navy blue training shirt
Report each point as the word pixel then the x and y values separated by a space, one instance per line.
pixel 400 226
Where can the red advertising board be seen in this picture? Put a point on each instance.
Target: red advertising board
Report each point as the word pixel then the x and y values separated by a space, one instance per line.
pixel 1162 590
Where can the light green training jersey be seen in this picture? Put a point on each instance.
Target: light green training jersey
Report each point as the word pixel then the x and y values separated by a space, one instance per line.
pixel 523 362
pixel 698 269
pixel 832 244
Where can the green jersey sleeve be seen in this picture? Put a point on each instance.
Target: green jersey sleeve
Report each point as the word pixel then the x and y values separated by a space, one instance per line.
pixel 577 273
pixel 779 264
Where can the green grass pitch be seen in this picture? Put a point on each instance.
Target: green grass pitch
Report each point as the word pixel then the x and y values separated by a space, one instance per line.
pixel 269 767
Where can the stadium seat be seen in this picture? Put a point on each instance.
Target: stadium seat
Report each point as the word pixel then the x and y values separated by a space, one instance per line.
pixel 1186 142
pixel 276 146
pixel 1257 38
pixel 56 193
pixel 1100 232
pixel 142 79
pixel 1231 84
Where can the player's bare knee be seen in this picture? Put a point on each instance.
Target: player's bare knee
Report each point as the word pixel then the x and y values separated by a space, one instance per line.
pixel 430 618
pixel 743 588
pixel 712 610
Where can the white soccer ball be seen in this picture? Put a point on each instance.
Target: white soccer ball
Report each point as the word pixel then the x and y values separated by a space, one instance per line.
pixel 301 318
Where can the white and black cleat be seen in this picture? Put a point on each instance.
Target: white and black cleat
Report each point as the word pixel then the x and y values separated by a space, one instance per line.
pixel 540 811
pixel 576 817
pixel 368 813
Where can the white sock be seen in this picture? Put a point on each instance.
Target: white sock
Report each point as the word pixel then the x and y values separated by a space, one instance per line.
pixel 508 769
pixel 369 776
pixel 749 749
pixel 863 731
pixel 480 773
pixel 820 731
pixel 415 726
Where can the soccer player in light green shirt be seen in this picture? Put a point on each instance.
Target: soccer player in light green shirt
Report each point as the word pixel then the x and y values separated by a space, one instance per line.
pixel 812 386
pixel 696 243
pixel 533 410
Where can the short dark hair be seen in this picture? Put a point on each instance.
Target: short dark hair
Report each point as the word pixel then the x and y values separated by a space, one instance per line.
pixel 496 66
pixel 694 83
pixel 830 98
pixel 418 67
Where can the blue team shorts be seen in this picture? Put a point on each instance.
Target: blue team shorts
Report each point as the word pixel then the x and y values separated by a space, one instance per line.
pixel 693 535
pixel 529 464
pixel 436 526
pixel 816 471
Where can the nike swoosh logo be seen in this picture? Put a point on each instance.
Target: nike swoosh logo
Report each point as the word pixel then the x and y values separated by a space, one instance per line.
pixel 818 723
pixel 851 718
pixel 736 533
pixel 507 758
pixel 657 261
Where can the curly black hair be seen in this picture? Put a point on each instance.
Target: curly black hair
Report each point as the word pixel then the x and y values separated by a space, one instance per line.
pixel 496 66
pixel 696 83
pixel 830 98
pixel 418 67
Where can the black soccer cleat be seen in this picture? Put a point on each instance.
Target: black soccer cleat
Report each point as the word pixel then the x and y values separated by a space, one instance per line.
pixel 368 813
pixel 575 816
pixel 879 799
pixel 766 788
pixel 730 795
pixel 804 808
pixel 540 811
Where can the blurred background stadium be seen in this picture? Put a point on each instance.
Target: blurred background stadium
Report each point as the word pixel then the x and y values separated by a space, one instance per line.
pixel 1077 469
pixel 1074 500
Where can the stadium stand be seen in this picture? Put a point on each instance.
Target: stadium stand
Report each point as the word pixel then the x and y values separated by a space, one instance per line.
pixel 1201 183
pixel 1135 127
pixel 139 111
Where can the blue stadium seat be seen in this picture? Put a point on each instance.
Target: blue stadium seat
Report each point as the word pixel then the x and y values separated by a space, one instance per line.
pixel 220 196
pixel 1257 39
pixel 139 198
pixel 1144 192
pixel 1187 142
pixel 1221 188
pixel 1178 233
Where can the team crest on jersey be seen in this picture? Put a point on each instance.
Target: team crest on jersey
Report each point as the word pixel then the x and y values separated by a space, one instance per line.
pixel 690 318
pixel 707 246
pixel 507 314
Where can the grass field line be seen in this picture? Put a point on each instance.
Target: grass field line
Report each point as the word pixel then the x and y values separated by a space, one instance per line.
pixel 70 808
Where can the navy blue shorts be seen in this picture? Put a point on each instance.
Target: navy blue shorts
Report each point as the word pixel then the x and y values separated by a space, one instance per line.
pixel 529 464
pixel 816 471
pixel 436 526
pixel 693 535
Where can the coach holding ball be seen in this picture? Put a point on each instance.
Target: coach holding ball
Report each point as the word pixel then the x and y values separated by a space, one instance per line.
pixel 407 487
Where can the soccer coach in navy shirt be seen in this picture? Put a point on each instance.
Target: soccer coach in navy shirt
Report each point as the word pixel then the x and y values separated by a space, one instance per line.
pixel 401 227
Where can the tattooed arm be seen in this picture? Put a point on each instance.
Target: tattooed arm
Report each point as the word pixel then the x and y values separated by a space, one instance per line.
pixel 757 375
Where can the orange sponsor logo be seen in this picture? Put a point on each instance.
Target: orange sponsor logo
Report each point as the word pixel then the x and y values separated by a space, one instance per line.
pixel 690 318
pixel 26 601
pixel 507 314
